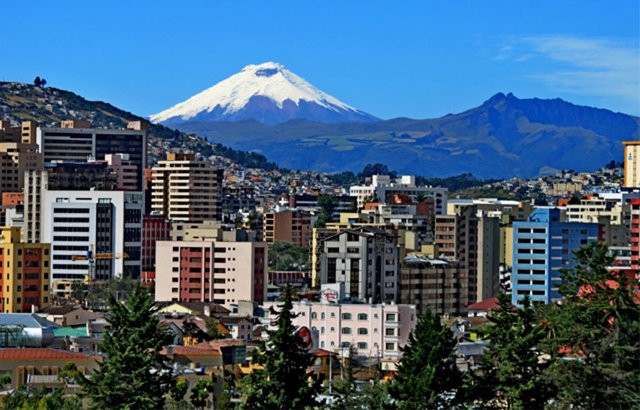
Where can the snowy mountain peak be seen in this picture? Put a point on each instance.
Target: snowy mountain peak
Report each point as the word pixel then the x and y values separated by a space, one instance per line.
pixel 267 92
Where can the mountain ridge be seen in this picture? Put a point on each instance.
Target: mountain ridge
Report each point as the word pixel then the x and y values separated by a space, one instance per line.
pixel 503 137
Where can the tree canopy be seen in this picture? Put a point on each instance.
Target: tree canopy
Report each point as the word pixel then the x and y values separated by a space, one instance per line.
pixel 284 381
pixel 133 373
pixel 427 375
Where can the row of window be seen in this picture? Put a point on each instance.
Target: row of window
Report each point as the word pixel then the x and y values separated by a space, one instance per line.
pixel 360 345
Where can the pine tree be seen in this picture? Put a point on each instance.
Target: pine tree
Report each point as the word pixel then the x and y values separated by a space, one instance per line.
pixel 427 375
pixel 599 329
pixel 133 373
pixel 511 374
pixel 283 382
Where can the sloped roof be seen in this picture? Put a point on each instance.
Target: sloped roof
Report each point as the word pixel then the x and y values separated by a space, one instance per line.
pixel 485 305
pixel 198 350
pixel 40 353
pixel 25 319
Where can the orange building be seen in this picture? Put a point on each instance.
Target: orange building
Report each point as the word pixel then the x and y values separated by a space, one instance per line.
pixel 24 273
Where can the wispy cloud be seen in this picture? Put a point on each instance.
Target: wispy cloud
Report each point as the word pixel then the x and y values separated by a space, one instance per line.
pixel 597 67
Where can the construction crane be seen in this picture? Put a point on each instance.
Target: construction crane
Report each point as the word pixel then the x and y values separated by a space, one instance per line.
pixel 90 280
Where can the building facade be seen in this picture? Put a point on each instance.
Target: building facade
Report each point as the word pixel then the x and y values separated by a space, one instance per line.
pixel 291 225
pixel 365 259
pixel 378 330
pixel 77 142
pixel 101 222
pixel 542 246
pixel 211 271
pixel 184 189
pixel 24 273
pixel 631 164
pixel 438 285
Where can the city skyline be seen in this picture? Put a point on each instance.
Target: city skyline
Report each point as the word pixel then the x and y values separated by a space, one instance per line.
pixel 414 59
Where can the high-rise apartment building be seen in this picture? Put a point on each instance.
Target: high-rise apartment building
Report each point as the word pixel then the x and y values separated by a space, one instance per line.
pixel 104 222
pixel 75 141
pixel 542 246
pixel 438 285
pixel 473 238
pixel 24 273
pixel 290 225
pixel 631 164
pixel 211 271
pixel 17 158
pixel 365 259
pixel 184 189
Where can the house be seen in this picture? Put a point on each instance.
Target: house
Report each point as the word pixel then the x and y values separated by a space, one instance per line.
pixel 69 315
pixel 240 327
pixel 41 366
pixel 482 309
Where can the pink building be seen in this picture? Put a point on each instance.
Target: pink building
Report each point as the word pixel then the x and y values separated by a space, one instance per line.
pixel 373 330
pixel 126 170
pixel 211 271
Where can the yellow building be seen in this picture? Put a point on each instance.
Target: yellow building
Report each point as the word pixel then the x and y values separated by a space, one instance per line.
pixel 24 273
pixel 631 164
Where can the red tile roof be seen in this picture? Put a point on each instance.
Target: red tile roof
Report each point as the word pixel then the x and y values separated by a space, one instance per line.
pixel 40 353
pixel 485 305
pixel 192 351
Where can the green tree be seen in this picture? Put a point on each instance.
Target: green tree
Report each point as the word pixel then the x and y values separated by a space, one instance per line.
pixel 597 329
pixel 36 399
pixel 284 256
pixel 212 328
pixel 427 377
pixel 133 374
pixel 345 389
pixel 283 382
pixel 327 204
pixel 511 374
pixel 179 390
pixel 200 393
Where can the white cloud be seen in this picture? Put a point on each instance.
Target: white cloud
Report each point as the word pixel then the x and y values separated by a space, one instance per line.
pixel 596 67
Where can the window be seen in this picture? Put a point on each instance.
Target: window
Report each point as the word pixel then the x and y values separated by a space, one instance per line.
pixel 363 316
pixel 346 316
pixel 314 315
pixel 389 332
pixel 363 331
pixel 322 330
pixel 362 345
pixel 390 346
pixel 346 330
pixel 333 314
pixel 391 317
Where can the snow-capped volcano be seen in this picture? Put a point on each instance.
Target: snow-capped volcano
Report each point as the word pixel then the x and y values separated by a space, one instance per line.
pixel 266 92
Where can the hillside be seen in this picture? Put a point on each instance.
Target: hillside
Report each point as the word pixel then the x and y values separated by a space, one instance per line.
pixel 504 137
pixel 49 106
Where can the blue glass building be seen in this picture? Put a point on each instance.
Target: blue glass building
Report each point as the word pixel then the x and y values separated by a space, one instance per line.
pixel 542 246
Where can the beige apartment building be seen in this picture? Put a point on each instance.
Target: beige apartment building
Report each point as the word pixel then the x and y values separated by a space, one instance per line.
pixel 473 238
pixel 184 189
pixel 18 154
pixel 211 271
pixel 631 164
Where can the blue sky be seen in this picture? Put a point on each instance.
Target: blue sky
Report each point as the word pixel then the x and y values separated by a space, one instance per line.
pixel 418 59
